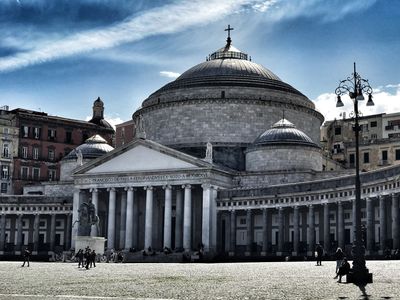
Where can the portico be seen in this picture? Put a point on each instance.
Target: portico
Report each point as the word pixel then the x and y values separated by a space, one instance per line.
pixel 162 198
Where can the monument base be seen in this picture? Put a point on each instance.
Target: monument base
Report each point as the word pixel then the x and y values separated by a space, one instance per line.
pixel 94 243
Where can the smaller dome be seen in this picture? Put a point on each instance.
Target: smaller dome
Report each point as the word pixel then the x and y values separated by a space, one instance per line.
pixel 284 132
pixel 93 147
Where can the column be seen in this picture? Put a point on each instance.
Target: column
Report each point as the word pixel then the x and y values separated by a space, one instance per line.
pixel 327 240
pixel 36 233
pixel 382 223
pixel 178 219
pixel 129 218
pixel 353 220
pixel 75 217
pixel 395 221
pixel 111 219
pixel 67 238
pixel 340 225
pixel 52 231
pixel 187 218
pixel 296 231
pixel 370 226
pixel 135 225
pixel 206 218
pixel 232 242
pixel 281 235
pixel 19 234
pixel 122 226
pixel 148 228
pixel 265 232
pixel 213 243
pixel 2 232
pixel 249 223
pixel 95 201
pixel 311 230
pixel 168 216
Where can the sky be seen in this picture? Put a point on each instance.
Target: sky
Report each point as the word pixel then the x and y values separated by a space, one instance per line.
pixel 59 56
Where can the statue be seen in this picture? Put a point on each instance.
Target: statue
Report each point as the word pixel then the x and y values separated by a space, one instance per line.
pixel 87 218
pixel 79 157
pixel 139 124
pixel 209 152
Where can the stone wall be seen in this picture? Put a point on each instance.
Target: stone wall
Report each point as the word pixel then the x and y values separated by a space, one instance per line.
pixel 223 121
pixel 284 157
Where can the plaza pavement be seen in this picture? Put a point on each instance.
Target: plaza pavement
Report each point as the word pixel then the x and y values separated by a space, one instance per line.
pixel 268 280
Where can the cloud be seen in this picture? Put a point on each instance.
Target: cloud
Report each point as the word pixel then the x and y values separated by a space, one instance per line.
pixel 385 99
pixel 40 47
pixel 162 20
pixel 169 74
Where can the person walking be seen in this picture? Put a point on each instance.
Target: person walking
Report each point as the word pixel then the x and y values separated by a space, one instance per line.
pixel 79 255
pixel 93 258
pixel 26 256
pixel 339 255
pixel 320 252
pixel 343 270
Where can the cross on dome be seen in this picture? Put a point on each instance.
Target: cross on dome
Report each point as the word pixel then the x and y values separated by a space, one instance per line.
pixel 229 29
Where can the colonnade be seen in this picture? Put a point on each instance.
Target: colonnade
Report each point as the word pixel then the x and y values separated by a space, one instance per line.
pixel 179 208
pixel 28 224
pixel 380 223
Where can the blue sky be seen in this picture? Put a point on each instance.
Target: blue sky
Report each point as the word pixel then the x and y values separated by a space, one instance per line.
pixel 59 56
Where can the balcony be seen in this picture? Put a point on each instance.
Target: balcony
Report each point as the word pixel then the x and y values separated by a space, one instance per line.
pixel 389 127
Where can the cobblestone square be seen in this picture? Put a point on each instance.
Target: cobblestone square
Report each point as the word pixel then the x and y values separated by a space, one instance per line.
pixel 269 280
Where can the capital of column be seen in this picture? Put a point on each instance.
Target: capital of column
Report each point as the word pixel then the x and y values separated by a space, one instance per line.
pixel 129 188
pixel 167 187
pixel 296 207
pixel 393 195
pixel 148 187
pixel 186 186
pixel 206 186
pixel 233 212
pixel 111 189
pixel 94 190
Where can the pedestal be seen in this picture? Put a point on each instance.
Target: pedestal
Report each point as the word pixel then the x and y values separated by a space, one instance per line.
pixel 94 243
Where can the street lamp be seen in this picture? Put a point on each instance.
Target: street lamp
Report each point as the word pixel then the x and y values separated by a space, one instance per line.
pixel 355 86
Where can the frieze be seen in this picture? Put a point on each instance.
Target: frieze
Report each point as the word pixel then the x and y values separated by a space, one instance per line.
pixel 138 178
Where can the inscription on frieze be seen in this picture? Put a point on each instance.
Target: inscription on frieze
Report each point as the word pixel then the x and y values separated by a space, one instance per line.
pixel 123 179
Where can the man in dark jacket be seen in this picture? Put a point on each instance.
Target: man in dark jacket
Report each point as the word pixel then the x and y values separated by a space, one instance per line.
pixel 320 252
pixel 26 255
pixel 344 269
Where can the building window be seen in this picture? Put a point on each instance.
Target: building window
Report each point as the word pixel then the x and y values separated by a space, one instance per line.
pixel 6 150
pixel 397 154
pixel 51 154
pixel 384 155
pixel 242 221
pixel 3 187
pixel 35 153
pixel 24 172
pixel 352 159
pixel 222 94
pixel 338 130
pixel 51 134
pixel 52 175
pixel 374 124
pixel 374 136
pixel 5 172
pixel 24 152
pixel 366 157
pixel 68 137
pixel 36 133
pixel 25 131
pixel 6 130
pixel 36 173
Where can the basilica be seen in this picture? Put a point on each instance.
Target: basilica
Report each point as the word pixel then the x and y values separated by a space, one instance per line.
pixel 226 159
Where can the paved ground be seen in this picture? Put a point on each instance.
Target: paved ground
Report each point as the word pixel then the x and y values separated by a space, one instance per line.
pixel 284 280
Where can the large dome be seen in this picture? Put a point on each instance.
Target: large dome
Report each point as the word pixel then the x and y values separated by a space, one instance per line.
pixel 228 100
pixel 227 66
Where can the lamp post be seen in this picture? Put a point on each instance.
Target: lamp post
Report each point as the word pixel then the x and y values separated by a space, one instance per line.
pixel 355 86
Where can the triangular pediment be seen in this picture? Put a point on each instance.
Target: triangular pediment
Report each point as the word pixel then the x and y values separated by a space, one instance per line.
pixel 142 156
